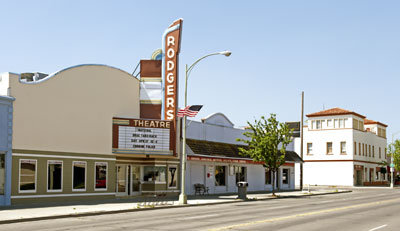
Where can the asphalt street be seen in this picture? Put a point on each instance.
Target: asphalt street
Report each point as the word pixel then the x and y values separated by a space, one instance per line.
pixel 367 209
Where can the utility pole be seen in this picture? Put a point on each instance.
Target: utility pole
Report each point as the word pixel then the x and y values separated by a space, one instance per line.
pixel 301 140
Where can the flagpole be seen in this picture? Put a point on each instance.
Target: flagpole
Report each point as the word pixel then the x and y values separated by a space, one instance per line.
pixel 182 195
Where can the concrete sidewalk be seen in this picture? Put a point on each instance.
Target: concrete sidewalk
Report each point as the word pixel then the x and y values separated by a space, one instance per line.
pixel 21 213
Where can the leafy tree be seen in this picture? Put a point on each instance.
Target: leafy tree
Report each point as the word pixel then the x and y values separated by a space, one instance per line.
pixel 394 150
pixel 267 143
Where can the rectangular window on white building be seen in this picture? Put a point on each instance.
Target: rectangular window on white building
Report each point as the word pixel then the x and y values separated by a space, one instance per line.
pixel 369 150
pixel 268 176
pixel 329 148
pixel 27 175
pixel 54 175
pixel 373 151
pixel 285 176
pixel 309 148
pixel 318 124
pixel 240 173
pixel 343 147
pixel 341 123
pixel 355 148
pixel 336 123
pixel 329 123
pixel 355 124
pixel 220 175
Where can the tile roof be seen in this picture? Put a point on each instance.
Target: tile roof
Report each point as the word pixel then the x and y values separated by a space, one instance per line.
pixel 367 121
pixel 227 150
pixel 334 111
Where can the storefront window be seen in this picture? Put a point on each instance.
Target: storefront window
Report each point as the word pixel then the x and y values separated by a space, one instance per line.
pixel 172 176
pixel 240 173
pixel 79 175
pixel 2 173
pixel 285 176
pixel 54 175
pixel 154 174
pixel 268 176
pixel 101 175
pixel 220 174
pixel 27 176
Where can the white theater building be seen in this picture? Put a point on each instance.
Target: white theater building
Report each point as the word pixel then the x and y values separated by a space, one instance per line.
pixel 342 148
pixel 214 160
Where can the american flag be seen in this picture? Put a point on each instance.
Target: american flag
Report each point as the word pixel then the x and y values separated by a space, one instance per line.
pixel 190 111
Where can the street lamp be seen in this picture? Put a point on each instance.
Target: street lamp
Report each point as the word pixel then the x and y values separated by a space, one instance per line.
pixel 182 196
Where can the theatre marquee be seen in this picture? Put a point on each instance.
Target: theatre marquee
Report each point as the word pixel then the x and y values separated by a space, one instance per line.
pixel 142 136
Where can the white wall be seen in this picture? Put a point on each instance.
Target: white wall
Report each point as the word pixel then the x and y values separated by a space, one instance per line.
pixel 328 173
pixel 331 169
pixel 197 173
pixel 215 133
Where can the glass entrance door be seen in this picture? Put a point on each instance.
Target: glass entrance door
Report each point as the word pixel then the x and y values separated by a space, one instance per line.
pixel 135 189
pixel 122 179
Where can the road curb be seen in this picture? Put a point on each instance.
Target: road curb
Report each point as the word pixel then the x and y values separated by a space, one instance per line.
pixel 87 214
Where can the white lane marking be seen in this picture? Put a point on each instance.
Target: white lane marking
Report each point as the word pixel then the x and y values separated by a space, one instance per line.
pixel 379 227
pixel 199 217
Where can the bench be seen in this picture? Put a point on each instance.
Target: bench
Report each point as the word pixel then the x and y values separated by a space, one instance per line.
pixel 200 189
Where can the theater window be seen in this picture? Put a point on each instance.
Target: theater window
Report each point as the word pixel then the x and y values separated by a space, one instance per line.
pixel 101 176
pixel 27 176
pixel 79 176
pixel 54 175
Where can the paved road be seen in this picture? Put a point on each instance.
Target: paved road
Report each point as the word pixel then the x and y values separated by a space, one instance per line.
pixel 363 209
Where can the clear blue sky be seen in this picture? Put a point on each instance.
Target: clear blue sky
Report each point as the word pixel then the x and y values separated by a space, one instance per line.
pixel 340 53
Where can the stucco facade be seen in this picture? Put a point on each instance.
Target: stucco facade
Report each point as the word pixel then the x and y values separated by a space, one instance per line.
pixel 63 124
pixel 343 148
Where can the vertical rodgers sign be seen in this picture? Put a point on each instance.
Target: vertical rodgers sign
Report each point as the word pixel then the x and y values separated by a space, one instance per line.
pixel 140 136
pixel 171 49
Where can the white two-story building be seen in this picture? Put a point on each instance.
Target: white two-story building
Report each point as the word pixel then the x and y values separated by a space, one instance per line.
pixel 343 148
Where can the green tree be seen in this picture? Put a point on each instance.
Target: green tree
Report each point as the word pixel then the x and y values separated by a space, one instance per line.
pixel 267 143
pixel 394 150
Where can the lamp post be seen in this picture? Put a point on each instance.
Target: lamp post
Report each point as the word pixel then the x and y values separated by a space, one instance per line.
pixel 392 161
pixel 182 196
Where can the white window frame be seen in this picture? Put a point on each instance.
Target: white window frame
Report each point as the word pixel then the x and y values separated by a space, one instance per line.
pixel 19 177
pixel 345 147
pixel 320 125
pixel 288 176
pixel 226 176
pixel 270 176
pixel 327 152
pixel 94 185
pixel 341 123
pixel 309 152
pixel 62 176
pixel 79 190
pixel 329 125
pixel 177 176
